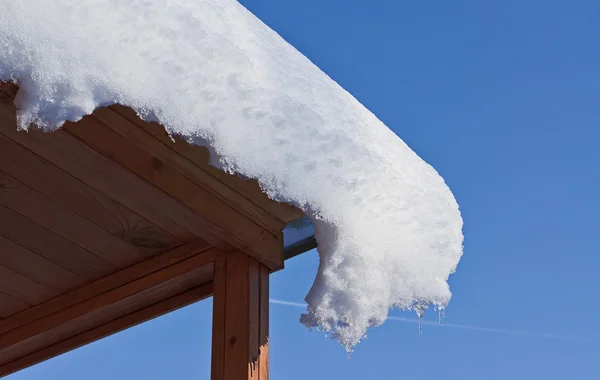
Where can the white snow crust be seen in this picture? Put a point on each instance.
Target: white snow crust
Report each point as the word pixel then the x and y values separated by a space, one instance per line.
pixel 389 230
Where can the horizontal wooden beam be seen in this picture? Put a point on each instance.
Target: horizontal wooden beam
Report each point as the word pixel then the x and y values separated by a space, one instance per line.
pixel 186 298
pixel 113 304
pixel 103 285
pixel 112 297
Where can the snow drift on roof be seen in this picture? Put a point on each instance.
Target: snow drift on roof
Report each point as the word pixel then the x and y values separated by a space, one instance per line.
pixel 388 228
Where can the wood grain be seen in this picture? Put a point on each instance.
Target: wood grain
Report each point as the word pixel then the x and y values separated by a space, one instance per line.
pixel 112 327
pixel 51 246
pixel 263 333
pixel 237 318
pixel 11 340
pixel 200 157
pixel 221 190
pixel 135 169
pixel 81 198
pixel 22 288
pixel 237 314
pixel 217 216
pixel 10 305
pixel 36 267
pixel 44 211
pixel 106 312
pixel 100 173
pixel 218 318
pixel 106 284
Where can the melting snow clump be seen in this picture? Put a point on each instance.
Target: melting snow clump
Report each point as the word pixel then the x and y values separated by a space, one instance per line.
pixel 389 230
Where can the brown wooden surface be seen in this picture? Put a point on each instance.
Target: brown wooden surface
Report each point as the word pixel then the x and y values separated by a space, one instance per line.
pixel 102 310
pixel 240 340
pixel 130 165
pixel 263 332
pixel 42 210
pixel 109 221
pixel 101 174
pixel 137 134
pixel 79 197
pixel 199 157
pixel 20 287
pixel 49 245
pixel 112 327
pixel 36 267
pixel 10 305
pixel 103 285
pixel 218 324
pixel 126 292
pixel 222 218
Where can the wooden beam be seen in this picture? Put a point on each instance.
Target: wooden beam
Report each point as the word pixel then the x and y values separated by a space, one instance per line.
pixel 54 326
pixel 136 131
pixel 101 310
pixel 97 172
pixel 263 331
pixel 222 218
pixel 103 285
pixel 200 156
pixel 113 159
pixel 240 318
pixel 186 298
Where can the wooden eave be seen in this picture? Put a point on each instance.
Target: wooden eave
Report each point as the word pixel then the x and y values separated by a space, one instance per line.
pixel 109 222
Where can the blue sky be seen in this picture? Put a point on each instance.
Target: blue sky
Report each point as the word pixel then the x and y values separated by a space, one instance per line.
pixel 502 99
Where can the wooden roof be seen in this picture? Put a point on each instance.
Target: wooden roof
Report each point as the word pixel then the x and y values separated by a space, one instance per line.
pixel 107 222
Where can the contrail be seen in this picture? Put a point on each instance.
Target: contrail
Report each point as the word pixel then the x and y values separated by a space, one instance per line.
pixel 459 326
pixel 286 303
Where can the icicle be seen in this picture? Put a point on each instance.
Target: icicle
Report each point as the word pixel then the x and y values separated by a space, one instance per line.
pixel 420 309
pixel 442 315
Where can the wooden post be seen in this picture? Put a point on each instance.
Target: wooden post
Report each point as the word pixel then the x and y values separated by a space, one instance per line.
pixel 240 347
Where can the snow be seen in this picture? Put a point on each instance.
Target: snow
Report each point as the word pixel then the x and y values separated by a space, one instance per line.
pixel 389 230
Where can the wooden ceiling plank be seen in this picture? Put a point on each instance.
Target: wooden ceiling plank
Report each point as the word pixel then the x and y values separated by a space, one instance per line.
pixel 220 218
pixel 77 196
pixel 46 243
pixel 36 267
pixel 100 173
pixel 142 197
pixel 10 306
pixel 110 282
pixel 196 276
pixel 22 288
pixel 135 318
pixel 218 188
pixel 200 156
pixel 50 321
pixel 62 221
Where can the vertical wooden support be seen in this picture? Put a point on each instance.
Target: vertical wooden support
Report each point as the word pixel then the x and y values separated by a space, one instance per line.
pixel 240 347
pixel 263 333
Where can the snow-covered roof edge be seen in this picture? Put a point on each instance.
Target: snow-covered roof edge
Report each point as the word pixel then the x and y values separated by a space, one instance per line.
pixel 389 229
